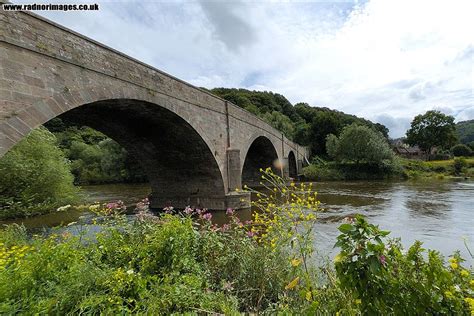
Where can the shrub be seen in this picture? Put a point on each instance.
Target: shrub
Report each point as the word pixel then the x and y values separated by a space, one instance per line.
pixel 387 280
pixel 359 144
pixel 459 165
pixel 461 150
pixel 34 177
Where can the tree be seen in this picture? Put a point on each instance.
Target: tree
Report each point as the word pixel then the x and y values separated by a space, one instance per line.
pixel 432 129
pixel 359 144
pixel 461 150
pixel 35 177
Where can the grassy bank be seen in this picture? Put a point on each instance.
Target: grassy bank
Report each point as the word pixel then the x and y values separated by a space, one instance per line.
pixel 402 169
pixel 439 169
pixel 182 262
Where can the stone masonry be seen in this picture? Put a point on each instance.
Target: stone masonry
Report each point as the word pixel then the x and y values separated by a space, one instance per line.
pixel 193 145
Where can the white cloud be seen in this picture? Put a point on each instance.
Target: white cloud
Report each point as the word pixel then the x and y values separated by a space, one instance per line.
pixel 384 60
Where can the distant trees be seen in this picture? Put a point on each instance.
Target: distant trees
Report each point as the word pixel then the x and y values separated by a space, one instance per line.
pixel 35 177
pixel 306 125
pixel 432 129
pixel 461 150
pixel 359 144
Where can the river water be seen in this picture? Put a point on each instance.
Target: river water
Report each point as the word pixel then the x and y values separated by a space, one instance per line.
pixel 440 213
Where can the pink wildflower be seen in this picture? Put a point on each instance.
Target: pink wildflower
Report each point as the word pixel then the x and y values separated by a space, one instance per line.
pixel 207 216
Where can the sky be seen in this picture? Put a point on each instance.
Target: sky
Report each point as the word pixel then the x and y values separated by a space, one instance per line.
pixel 386 60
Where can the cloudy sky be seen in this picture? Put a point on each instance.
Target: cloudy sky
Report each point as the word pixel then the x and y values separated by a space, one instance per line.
pixel 383 60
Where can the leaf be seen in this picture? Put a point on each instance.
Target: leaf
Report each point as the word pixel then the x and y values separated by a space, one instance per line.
pixel 345 228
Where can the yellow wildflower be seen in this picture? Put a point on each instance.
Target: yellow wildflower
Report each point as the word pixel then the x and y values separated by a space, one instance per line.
pixel 292 284
pixel 309 296
pixel 454 265
pixel 449 294
pixel 358 301
pixel 295 262
pixel 464 273
pixel 338 258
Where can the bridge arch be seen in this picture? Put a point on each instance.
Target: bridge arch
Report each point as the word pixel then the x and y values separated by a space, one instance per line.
pixel 261 154
pixel 292 167
pixel 177 155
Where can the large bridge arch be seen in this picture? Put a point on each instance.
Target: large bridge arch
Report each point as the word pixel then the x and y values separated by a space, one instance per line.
pixel 178 158
pixel 260 154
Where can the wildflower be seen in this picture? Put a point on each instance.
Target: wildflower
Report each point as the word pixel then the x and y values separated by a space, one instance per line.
pixel 464 273
pixel 229 212
pixel 358 301
pixel 225 227
pixel 470 302
pixel 454 265
pixel 292 284
pixel 295 262
pixel 129 272
pixel 449 294
pixel 188 210
pixel 471 283
pixel 338 258
pixel 382 260
pixel 250 234
pixel 63 208
pixel 309 296
pixel 207 216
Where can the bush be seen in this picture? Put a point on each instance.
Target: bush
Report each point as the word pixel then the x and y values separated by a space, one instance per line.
pixel 461 150
pixel 359 144
pixel 322 172
pixel 35 177
pixel 387 280
pixel 459 165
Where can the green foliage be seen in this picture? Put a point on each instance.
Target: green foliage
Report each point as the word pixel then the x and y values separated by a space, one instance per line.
pixel 387 280
pixel 183 263
pixel 360 144
pixel 94 157
pixel 323 172
pixel 461 150
pixel 35 177
pixel 306 125
pixel 432 129
pixel 465 131
pixel 459 165
pixel 439 169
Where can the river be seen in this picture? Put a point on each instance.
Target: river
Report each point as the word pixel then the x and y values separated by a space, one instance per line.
pixel 440 213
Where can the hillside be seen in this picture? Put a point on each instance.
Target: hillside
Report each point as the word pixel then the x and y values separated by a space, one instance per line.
pixel 465 130
pixel 302 123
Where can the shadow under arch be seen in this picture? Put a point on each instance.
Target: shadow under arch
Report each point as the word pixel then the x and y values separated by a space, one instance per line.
pixel 260 155
pixel 292 168
pixel 179 164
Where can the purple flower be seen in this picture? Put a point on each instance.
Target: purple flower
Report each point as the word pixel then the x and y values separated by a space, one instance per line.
pixel 249 222
pixel 168 209
pixel 225 227
pixel 229 212
pixel 207 216
pixel 112 205
pixel 188 210
pixel 382 260
pixel 250 234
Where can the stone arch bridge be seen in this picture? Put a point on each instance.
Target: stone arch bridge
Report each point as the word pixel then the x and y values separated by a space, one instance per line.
pixel 196 148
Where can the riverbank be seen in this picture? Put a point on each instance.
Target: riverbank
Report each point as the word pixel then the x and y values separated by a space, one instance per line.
pixel 402 169
pixel 179 263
